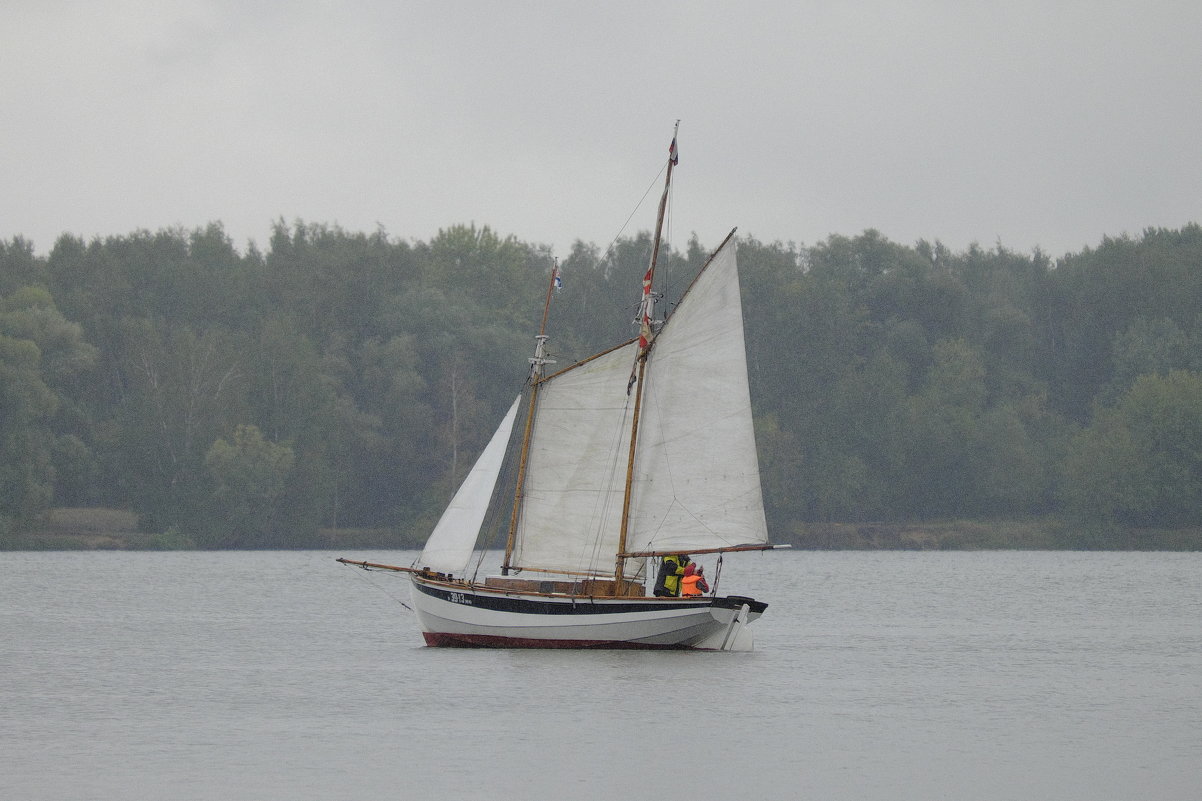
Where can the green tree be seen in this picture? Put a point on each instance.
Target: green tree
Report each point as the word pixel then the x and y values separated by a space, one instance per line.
pixel 497 273
pixel 249 476
pixel 183 389
pixel 41 358
pixel 1140 462
pixel 1147 346
pixel 941 455
pixel 19 267
pixel 294 401
pixel 30 313
pixel 26 405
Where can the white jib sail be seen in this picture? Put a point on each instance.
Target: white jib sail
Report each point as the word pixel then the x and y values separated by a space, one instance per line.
pixel 450 546
pixel 697 479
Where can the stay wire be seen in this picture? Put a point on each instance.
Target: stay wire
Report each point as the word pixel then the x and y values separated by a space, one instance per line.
pixel 608 253
pixel 380 587
pixel 605 254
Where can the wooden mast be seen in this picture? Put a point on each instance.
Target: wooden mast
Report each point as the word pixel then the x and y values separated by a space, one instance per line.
pixel 645 341
pixel 536 377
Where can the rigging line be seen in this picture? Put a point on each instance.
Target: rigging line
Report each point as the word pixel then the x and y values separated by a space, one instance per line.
pixel 608 253
pixel 604 504
pixel 380 588
pixel 609 301
pixel 635 211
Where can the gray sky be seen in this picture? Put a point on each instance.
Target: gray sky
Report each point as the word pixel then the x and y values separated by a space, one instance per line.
pixel 1046 124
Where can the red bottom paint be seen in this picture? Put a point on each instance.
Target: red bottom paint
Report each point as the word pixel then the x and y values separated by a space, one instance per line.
pixel 489 641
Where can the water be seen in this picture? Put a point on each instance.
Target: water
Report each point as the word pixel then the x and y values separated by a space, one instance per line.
pixel 876 676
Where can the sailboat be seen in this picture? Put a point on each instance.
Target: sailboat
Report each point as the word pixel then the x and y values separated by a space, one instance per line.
pixel 643 451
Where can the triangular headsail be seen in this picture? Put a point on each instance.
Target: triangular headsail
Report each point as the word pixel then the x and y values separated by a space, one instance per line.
pixel 450 546
pixel 697 480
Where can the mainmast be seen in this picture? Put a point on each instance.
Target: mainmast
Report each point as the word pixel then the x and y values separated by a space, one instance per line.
pixel 537 362
pixel 637 372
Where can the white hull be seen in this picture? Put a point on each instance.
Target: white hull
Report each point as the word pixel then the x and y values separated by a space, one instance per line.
pixel 453 614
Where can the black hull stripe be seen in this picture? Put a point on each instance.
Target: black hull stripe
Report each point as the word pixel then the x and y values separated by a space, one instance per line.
pixel 582 605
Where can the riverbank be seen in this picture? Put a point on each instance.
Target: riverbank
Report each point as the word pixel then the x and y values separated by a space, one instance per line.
pixel 114 529
pixel 1038 534
pixel 97 529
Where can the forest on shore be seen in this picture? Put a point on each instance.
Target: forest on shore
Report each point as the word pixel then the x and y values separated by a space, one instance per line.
pixel 343 381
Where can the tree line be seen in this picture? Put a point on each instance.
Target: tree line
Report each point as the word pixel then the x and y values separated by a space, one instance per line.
pixel 339 379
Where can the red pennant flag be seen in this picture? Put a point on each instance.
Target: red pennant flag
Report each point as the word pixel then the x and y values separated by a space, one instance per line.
pixel 645 318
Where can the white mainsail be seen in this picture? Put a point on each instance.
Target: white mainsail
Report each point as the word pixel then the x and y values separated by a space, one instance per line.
pixel 576 468
pixel 697 479
pixel 450 546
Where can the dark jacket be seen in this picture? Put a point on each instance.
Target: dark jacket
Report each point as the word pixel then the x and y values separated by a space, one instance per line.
pixel 667 583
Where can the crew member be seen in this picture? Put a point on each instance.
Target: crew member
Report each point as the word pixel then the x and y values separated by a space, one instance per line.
pixel 667 583
pixel 693 582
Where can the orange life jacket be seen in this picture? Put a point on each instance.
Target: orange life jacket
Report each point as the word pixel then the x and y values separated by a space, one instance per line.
pixel 688 585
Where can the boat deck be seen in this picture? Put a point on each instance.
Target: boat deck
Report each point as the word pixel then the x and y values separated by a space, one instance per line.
pixel 589 586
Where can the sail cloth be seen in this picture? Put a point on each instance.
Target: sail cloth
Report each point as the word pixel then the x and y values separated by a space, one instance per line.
pixel 450 546
pixel 697 479
pixel 576 468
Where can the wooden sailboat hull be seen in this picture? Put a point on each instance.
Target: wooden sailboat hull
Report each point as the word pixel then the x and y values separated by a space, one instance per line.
pixel 458 615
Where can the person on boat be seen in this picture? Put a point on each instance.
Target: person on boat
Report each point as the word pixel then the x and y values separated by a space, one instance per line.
pixel 693 583
pixel 671 569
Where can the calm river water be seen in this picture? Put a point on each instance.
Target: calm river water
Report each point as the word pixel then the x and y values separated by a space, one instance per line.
pixel 876 676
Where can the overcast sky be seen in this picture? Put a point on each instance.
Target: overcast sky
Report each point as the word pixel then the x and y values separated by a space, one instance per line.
pixel 1034 124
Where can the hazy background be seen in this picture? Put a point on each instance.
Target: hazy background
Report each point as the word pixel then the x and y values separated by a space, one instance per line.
pixel 1032 124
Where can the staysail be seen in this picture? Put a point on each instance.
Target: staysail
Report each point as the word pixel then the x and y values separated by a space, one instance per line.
pixel 450 546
